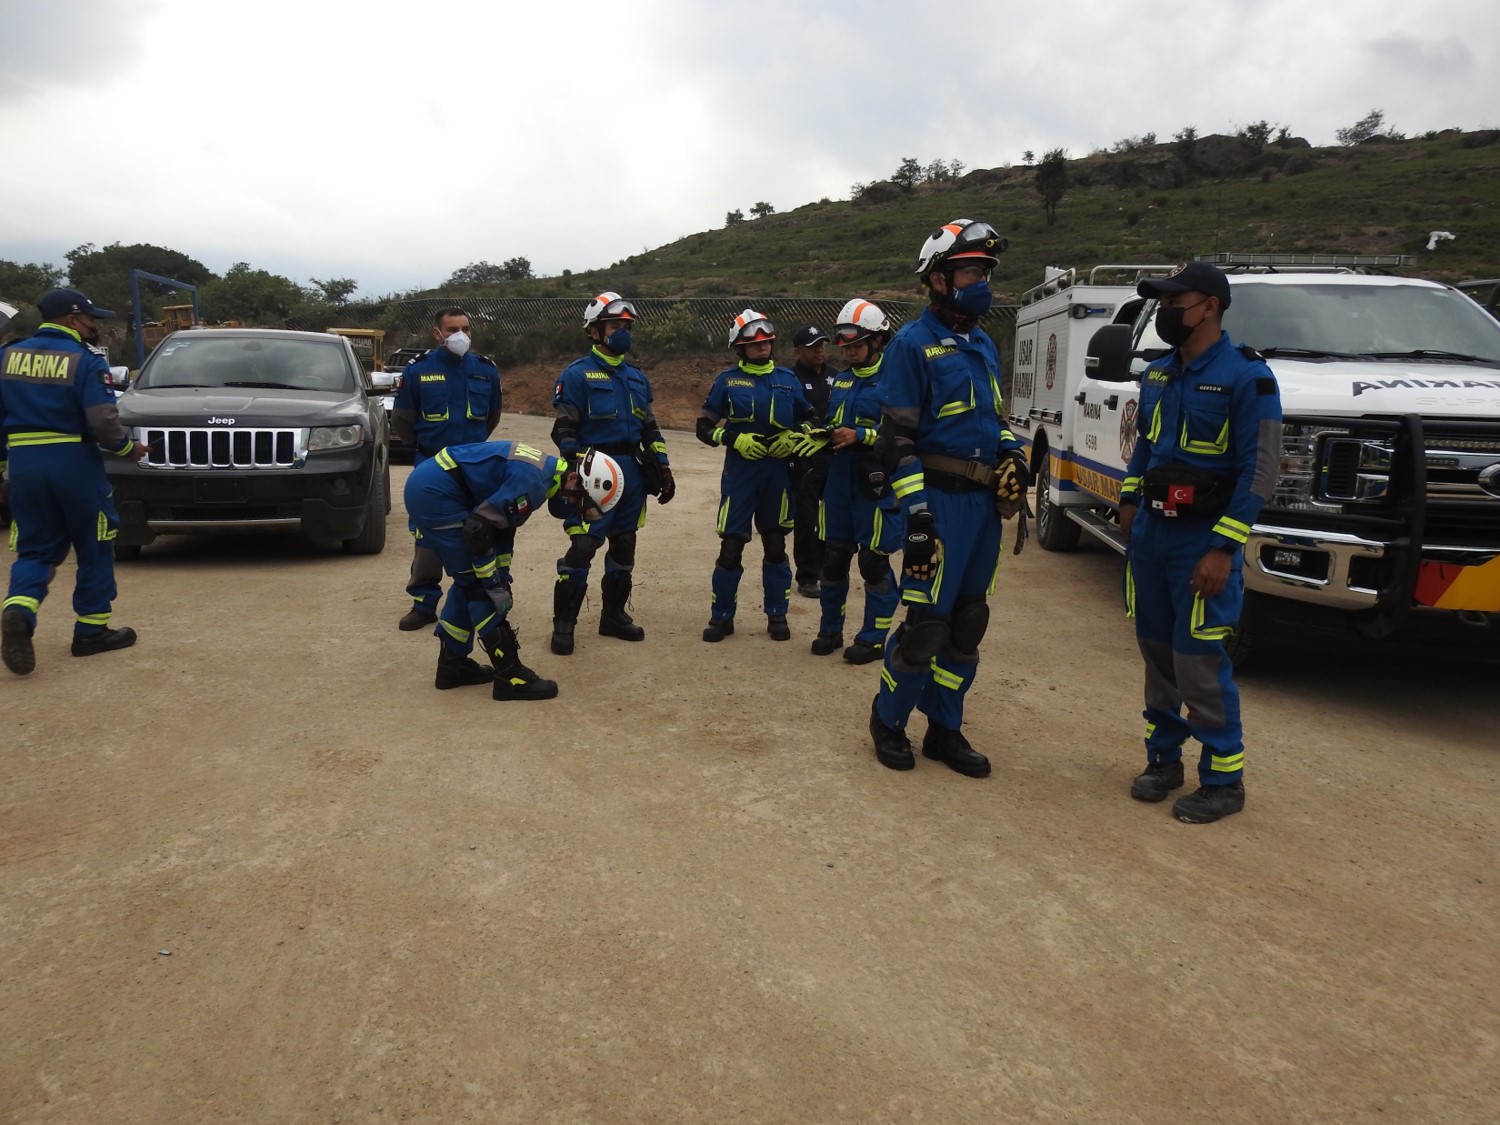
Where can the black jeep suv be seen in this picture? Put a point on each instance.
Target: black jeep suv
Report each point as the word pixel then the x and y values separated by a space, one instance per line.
pixel 254 430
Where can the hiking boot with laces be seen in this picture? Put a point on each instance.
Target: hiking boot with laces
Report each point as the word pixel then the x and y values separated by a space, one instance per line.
pixel 892 747
pixel 1209 803
pixel 952 749
pixel 861 652
pixel 454 671
pixel 777 628
pixel 718 629
pixel 825 643
pixel 1158 779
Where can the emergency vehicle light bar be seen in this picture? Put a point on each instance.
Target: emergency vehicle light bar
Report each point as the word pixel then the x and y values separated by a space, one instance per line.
pixel 1227 260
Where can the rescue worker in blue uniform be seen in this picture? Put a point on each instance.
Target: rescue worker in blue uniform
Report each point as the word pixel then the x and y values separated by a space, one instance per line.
pixel 57 414
pixel 601 402
pixel 1206 457
pixel 467 501
pixel 758 412
pixel 450 396
pixel 859 515
pixel 942 438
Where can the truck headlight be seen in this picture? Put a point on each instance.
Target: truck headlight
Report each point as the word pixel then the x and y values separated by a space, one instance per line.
pixel 1298 484
pixel 324 438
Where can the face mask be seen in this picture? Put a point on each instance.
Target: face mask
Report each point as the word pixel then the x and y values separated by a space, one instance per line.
pixel 973 300
pixel 1170 328
pixel 458 344
pixel 618 341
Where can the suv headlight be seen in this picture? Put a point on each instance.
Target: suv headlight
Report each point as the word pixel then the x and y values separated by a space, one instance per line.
pixel 1297 484
pixel 1324 468
pixel 324 438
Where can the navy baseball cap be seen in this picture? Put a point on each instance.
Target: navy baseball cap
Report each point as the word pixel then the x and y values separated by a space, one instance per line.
pixel 57 303
pixel 808 336
pixel 1190 277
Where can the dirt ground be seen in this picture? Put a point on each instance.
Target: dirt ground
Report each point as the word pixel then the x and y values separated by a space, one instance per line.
pixel 257 869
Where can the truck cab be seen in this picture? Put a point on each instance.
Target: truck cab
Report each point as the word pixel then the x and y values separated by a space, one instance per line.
pixel 1386 513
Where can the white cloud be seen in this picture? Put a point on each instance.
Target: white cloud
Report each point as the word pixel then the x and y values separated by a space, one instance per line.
pixel 394 143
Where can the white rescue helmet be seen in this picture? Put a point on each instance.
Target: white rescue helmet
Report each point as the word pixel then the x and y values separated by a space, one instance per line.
pixel 749 327
pixel 608 306
pixel 960 239
pixel 601 479
pixel 858 321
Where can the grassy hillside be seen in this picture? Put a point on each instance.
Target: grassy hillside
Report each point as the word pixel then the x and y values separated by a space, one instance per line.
pixel 1151 204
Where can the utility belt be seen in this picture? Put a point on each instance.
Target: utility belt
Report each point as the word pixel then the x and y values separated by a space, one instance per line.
pixel 1184 492
pixel 949 474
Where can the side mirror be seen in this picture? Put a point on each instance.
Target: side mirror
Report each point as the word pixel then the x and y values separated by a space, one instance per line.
pixel 119 378
pixel 1109 354
pixel 384 381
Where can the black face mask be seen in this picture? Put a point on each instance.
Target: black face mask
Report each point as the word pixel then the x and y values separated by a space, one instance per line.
pixel 1169 325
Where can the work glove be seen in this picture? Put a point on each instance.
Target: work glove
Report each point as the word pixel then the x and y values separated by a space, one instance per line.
pixel 811 440
pixel 500 596
pixel 1012 478
pixel 784 443
pixel 924 550
pixel 479 536
pixel 750 446
pixel 668 486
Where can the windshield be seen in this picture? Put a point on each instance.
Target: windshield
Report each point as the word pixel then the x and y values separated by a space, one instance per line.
pixel 208 360
pixel 1354 319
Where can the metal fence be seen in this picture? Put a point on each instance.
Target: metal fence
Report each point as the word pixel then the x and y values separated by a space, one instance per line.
pixel 527 329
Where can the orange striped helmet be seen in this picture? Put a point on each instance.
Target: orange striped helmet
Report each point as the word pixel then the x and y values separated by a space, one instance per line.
pixel 962 238
pixel 749 327
pixel 858 321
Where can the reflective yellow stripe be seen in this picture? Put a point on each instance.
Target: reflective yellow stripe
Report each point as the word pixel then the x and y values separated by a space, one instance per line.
pixel 23 602
pixel 42 437
pixel 1154 432
pixel 723 520
pixel 445 460
pixel 882 623
pixel 443 417
pixel 503 561
pixel 484 625
pixel 1232 529
pixel 485 569
pixel 15 534
pixel 104 531
pixel 1204 632
pixel 93 619
pixel 944 678
pixel 875 530
pixel 1129 592
pixel 1230 763
pixel 1219 444
pixel 904 486
pixel 886 679
pixel 455 632
pixel 786 520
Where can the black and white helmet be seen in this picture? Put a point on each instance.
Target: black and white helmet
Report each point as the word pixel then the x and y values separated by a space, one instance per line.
pixel 858 321
pixel 749 327
pixel 607 306
pixel 960 239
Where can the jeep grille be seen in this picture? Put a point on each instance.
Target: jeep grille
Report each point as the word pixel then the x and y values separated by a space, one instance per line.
pixel 235 448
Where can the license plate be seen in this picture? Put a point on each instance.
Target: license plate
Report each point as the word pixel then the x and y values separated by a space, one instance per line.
pixel 220 491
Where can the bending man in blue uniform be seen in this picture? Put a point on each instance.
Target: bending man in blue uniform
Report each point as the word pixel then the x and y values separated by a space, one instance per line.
pixel 942 438
pixel 603 403
pixel 758 413
pixel 859 515
pixel 467 501
pixel 57 414
pixel 451 396
pixel 1207 451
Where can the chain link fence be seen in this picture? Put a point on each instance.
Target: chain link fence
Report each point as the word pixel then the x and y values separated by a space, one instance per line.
pixel 515 330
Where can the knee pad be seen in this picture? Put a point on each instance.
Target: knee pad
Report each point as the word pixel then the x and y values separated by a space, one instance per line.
pixel 970 620
pixel 621 551
pixel 580 552
pixel 730 551
pixel 874 567
pixel 836 559
pixel 775 545
pixel 922 637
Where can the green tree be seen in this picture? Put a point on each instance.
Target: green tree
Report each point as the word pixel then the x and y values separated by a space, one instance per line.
pixel 1028 158
pixel 1052 181
pixel 762 209
pixel 251 295
pixel 909 174
pixel 517 269
pixel 336 290
pixel 1363 129
pixel 1185 145
pixel 732 217
pixel 476 273
pixel 105 274
pixel 1257 133
pixel 26 281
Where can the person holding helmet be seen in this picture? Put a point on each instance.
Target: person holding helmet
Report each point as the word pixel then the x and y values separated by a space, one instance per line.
pixel 57 416
pixel 942 439
pixel 758 413
pixel 467 501
pixel 1207 450
pixel 809 474
pixel 859 514
pixel 603 403
pixel 449 396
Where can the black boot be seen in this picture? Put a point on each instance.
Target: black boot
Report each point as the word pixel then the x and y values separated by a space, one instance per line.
pixel 108 641
pixel 15 642
pixel 892 748
pixel 513 680
pixel 455 670
pixel 613 620
pixel 952 749
pixel 567 598
pixel 825 643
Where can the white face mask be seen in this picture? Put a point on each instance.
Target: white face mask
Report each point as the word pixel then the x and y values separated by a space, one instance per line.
pixel 458 344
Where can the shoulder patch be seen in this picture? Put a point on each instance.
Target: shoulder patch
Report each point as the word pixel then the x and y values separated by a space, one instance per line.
pixel 1265 385
pixel 933 351
pixel 1248 352
pixel 486 360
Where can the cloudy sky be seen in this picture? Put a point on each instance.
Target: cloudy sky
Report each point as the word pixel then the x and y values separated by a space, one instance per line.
pixel 394 142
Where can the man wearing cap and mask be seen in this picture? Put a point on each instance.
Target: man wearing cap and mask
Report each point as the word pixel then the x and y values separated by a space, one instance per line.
pixel 57 416
pixel 810 473
pixel 1207 451
pixel 451 396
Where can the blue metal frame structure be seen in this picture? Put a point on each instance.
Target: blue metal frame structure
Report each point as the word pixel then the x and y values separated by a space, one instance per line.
pixel 135 306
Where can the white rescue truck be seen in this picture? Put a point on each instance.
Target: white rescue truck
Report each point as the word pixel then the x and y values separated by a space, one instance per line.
pixel 1386 515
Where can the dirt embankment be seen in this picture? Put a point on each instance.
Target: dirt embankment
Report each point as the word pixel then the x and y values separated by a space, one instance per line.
pixel 678 384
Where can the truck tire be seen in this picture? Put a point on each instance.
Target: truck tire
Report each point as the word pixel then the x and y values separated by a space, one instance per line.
pixel 387 484
pixel 371 537
pixel 1054 530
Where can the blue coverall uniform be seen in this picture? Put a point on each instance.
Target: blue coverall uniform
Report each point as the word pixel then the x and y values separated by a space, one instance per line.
pixel 604 403
pixel 850 520
pixel 1222 414
pixel 444 400
pixel 512 479
pixel 761 399
pixel 56 415
pixel 944 390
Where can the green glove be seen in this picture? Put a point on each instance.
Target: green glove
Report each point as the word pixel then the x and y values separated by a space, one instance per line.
pixel 750 446
pixel 784 444
pixel 810 442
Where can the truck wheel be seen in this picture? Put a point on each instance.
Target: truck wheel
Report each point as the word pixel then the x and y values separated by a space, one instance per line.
pixel 388 485
pixel 127 552
pixel 1054 530
pixel 371 537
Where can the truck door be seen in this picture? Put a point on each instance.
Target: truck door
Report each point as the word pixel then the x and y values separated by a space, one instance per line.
pixel 1105 423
